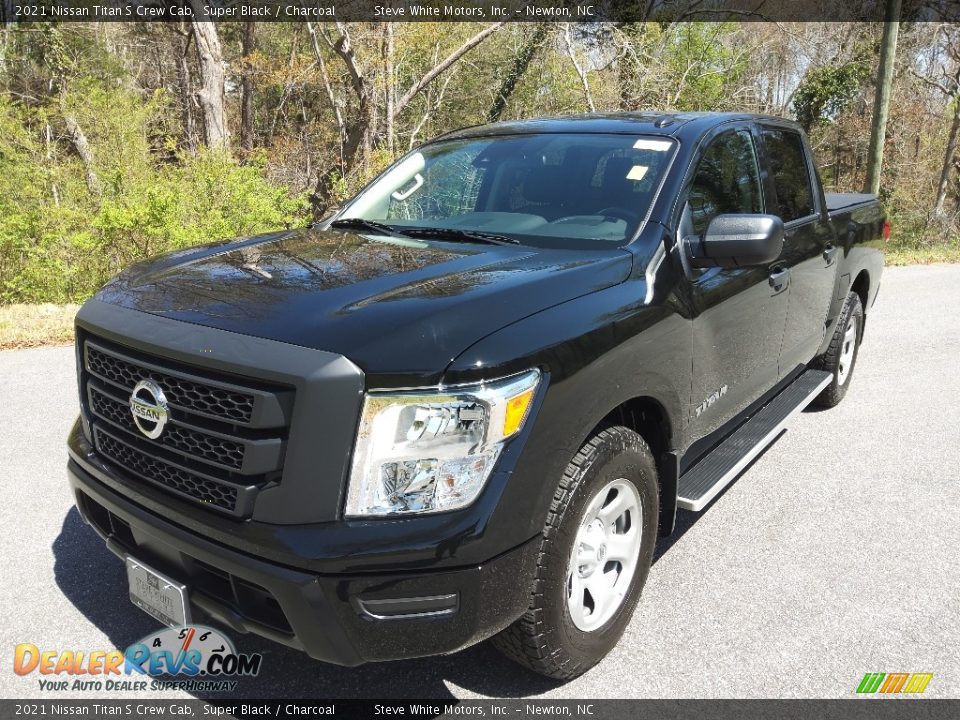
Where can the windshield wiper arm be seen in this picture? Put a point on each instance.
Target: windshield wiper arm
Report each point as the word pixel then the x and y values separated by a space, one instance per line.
pixel 460 235
pixel 361 224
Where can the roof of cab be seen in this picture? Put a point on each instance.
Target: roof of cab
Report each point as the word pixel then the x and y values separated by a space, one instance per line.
pixel 636 123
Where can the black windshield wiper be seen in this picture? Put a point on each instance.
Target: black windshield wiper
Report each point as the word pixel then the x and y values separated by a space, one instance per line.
pixel 361 224
pixel 460 235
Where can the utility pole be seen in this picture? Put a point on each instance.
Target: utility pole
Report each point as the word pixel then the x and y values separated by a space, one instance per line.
pixel 881 103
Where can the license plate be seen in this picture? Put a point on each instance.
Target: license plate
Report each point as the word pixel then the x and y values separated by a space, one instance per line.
pixel 157 595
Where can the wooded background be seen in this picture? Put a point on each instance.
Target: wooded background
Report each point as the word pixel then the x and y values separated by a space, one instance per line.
pixel 120 141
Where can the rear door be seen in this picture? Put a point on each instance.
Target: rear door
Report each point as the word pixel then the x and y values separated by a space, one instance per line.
pixel 808 250
pixel 738 314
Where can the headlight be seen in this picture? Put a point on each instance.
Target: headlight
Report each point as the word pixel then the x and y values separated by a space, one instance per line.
pixel 432 451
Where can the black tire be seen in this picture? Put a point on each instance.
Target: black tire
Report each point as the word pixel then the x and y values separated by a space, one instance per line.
pixel 831 360
pixel 545 639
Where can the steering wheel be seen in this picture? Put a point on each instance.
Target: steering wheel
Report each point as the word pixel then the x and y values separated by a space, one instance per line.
pixel 619 212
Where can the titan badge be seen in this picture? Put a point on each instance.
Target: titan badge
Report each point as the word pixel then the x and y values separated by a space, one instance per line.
pixel 702 407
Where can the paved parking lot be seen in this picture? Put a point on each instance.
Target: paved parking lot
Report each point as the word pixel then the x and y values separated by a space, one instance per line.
pixel 837 553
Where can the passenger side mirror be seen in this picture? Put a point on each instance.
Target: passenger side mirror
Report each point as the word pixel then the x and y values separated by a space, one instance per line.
pixel 737 240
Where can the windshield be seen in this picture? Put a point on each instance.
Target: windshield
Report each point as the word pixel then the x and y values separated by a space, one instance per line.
pixel 554 190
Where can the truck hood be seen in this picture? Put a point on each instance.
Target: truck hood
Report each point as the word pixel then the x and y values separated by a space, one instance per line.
pixel 395 307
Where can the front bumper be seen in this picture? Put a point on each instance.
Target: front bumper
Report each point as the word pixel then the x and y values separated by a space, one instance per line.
pixel 346 619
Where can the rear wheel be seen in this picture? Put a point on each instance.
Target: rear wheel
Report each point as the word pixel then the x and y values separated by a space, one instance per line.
pixel 595 553
pixel 841 354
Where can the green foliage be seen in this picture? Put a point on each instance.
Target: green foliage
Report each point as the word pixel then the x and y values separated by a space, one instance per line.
pixel 59 242
pixel 703 66
pixel 202 198
pixel 827 91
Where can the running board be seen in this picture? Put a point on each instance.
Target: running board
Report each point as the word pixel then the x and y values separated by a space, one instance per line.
pixel 701 483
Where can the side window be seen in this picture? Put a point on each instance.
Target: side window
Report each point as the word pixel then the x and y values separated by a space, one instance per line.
pixel 791 174
pixel 727 180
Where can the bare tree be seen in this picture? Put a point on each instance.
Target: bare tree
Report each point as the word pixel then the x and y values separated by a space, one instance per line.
pixel 185 86
pixel 355 134
pixel 581 73
pixel 434 100
pixel 328 89
pixel 246 102
pixel 949 85
pixel 82 146
pixel 210 94
pixel 362 131
pixel 445 64
pixel 389 86
pixel 4 41
pixel 521 61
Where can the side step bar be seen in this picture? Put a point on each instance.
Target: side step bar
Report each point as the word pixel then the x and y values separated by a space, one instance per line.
pixel 701 483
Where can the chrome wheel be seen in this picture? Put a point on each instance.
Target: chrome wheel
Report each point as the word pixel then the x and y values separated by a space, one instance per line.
pixel 847 350
pixel 605 555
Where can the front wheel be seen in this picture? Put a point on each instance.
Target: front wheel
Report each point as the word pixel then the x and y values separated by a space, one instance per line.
pixel 841 354
pixel 595 553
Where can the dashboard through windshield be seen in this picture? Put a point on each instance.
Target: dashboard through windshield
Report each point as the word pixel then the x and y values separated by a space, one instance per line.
pixel 550 189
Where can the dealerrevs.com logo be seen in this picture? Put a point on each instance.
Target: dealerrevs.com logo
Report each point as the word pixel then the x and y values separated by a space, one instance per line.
pixel 894 683
pixel 198 657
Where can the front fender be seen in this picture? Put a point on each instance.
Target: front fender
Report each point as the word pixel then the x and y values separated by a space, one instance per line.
pixel 597 352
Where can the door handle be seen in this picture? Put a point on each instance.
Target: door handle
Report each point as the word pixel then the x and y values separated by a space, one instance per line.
pixel 779 278
pixel 829 252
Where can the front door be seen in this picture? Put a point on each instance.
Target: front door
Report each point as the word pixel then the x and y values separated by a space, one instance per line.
pixel 738 314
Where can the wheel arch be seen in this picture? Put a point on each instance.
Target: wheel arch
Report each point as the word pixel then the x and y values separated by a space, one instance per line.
pixel 647 416
pixel 861 286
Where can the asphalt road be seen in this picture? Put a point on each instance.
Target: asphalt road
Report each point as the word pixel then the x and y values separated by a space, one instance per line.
pixel 835 554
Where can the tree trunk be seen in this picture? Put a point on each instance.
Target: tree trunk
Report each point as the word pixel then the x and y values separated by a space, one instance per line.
pixel 331 97
pixel 628 66
pixel 445 64
pixel 4 40
pixel 48 143
pixel 80 144
pixel 211 92
pixel 246 104
pixel 389 89
pixel 581 72
pixel 881 105
pixel 185 90
pixel 521 62
pixel 944 183
pixel 362 132
pixel 356 133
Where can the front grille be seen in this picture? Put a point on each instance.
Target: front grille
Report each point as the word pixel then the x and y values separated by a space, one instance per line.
pixel 207 447
pixel 205 399
pixel 224 438
pixel 172 477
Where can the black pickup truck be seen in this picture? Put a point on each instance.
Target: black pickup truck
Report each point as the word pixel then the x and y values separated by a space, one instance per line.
pixel 467 404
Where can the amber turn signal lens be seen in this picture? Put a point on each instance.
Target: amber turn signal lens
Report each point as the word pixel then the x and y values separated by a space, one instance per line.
pixel 516 411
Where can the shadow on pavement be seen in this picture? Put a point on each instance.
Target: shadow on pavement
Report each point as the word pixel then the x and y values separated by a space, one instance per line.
pixel 95 581
pixel 687 519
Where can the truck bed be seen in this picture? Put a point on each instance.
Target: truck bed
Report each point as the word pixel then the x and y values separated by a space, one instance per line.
pixel 841 201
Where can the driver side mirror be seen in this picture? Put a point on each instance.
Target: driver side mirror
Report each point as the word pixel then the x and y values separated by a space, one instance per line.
pixel 737 240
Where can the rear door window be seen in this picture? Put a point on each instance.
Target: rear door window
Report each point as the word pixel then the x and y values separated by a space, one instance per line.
pixel 790 172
